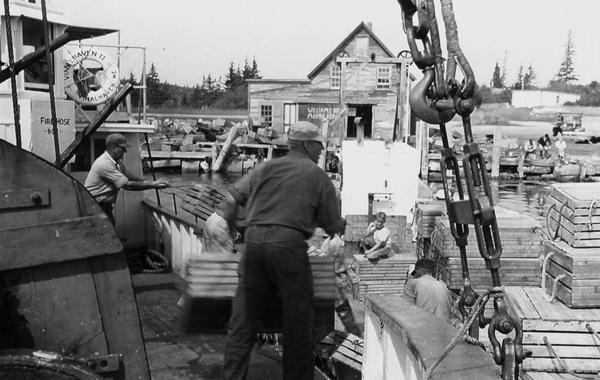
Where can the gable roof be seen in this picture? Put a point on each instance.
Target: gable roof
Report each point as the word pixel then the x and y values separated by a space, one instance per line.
pixel 362 26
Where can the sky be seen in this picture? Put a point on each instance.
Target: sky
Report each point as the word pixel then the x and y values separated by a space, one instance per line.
pixel 189 39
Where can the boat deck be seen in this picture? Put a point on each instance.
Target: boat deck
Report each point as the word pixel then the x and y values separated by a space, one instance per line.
pixel 173 354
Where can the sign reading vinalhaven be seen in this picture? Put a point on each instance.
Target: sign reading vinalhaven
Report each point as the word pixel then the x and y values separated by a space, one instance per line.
pixel 91 76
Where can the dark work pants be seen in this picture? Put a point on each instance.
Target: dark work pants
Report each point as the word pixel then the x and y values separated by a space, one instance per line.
pixel 107 207
pixel 267 268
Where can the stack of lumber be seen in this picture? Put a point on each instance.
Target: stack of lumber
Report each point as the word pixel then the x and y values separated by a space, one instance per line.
pixel 425 214
pixel 574 214
pixel 577 271
pixel 574 346
pixel 212 281
pixel 382 277
pixel 521 241
pixel 202 200
pixel 343 353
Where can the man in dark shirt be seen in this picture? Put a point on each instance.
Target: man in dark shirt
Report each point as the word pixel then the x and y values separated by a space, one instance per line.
pixel 285 200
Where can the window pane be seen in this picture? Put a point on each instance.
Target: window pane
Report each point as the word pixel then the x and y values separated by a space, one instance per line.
pixel 336 76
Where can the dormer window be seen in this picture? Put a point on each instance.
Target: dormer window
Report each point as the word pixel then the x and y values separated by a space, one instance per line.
pixel 383 77
pixel 336 77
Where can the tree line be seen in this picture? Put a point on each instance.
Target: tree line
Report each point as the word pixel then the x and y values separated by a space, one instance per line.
pixel 500 89
pixel 218 93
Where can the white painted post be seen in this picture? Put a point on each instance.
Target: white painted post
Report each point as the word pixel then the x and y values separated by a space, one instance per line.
pixel 496 151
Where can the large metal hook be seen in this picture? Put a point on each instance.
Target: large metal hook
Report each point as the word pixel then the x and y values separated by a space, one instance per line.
pixel 425 110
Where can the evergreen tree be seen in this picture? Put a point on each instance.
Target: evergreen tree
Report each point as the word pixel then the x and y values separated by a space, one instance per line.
pixel 250 72
pixel 503 73
pixel 519 83
pixel 529 78
pixel 234 77
pixel 566 71
pixel 135 94
pixel 156 93
pixel 497 78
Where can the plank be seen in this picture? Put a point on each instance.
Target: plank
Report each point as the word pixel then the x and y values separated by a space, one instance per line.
pixel 579 365
pixel 60 241
pixel 120 316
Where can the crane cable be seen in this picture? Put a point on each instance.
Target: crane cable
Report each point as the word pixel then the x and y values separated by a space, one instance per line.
pixel 50 71
pixel 13 81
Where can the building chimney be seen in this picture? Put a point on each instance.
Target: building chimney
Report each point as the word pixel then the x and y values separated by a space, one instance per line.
pixel 370 25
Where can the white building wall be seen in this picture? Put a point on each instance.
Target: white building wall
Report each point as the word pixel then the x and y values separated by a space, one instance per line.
pixel 540 98
pixel 372 168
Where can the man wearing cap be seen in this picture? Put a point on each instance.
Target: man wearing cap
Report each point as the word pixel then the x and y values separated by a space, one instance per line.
pixel 428 293
pixel 108 175
pixel 285 200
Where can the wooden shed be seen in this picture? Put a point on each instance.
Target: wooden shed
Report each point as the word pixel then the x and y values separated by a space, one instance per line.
pixel 361 78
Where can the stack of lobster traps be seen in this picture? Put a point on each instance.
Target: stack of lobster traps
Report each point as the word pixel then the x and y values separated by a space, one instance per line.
pixel 561 319
pixel 521 238
pixel 424 221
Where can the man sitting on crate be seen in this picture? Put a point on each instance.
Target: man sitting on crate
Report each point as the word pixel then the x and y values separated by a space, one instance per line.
pixel 377 243
pixel 285 200
pixel 428 293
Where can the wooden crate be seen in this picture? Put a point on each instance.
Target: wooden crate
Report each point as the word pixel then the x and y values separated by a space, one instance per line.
pixel 520 236
pixel 514 272
pixel 382 277
pixel 580 286
pixel 564 328
pixel 574 214
pixel 344 353
pixel 212 281
pixel 425 214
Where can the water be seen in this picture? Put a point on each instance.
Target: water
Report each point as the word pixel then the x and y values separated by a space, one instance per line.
pixel 527 197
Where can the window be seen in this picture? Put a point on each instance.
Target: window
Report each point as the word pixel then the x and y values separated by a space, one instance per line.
pixel 362 46
pixel 266 116
pixel 336 76
pixel 383 77
pixel 36 75
pixel 289 115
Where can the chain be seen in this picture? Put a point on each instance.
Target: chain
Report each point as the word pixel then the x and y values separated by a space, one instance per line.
pixel 436 99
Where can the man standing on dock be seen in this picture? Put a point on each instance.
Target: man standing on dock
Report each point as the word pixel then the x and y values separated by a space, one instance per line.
pixel 108 175
pixel 285 200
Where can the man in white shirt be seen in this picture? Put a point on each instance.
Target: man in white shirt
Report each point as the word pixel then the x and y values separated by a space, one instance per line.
pixel 108 175
pixel 428 293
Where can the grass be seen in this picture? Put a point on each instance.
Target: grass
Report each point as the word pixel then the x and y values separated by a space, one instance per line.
pixel 501 114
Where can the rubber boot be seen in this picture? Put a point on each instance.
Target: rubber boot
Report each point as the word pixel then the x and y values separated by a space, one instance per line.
pixel 345 312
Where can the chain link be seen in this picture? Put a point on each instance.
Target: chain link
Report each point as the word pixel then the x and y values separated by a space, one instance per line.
pixel 436 100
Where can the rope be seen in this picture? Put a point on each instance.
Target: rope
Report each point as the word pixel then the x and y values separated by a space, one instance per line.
pixel 592 205
pixel 560 361
pixel 556 280
pixel 13 80
pixel 479 305
pixel 148 256
pixel 544 268
pixel 50 70
pixel 560 216
pixel 554 288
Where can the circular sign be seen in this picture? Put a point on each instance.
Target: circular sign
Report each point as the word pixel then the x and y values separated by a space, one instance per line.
pixel 91 76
